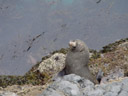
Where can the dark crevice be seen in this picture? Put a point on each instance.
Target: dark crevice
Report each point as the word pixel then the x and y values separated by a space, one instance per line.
pixel 120 89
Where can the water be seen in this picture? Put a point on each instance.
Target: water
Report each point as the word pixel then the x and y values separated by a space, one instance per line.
pixel 30 29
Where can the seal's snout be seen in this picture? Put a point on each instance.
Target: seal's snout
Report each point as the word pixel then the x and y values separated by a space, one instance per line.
pixel 72 44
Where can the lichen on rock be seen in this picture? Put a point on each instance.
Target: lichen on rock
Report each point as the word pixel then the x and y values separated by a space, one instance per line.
pixel 53 64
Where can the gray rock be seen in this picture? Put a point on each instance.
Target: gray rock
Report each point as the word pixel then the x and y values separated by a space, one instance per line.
pixel 123 93
pixel 52 92
pixel 123 45
pixel 74 85
pixel 72 77
pixel 69 88
pixel 78 80
pixel 8 94
pixel 110 94
pixel 113 75
pixel 113 87
pixel 64 87
pixel 125 84
pixel 97 92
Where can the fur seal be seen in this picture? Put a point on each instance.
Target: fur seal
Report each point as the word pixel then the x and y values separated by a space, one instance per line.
pixel 77 60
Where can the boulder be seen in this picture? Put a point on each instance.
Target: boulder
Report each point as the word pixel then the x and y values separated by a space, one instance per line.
pixel 53 64
pixel 74 85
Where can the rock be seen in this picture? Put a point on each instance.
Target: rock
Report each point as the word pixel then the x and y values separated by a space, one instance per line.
pixel 8 94
pixel 110 94
pixel 115 74
pixel 53 64
pixel 72 77
pixel 123 46
pixel 52 92
pixel 97 92
pixel 74 85
pixel 125 84
pixel 23 90
pixel 68 85
pixel 123 93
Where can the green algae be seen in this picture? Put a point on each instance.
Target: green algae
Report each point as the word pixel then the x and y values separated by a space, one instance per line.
pixel 10 80
pixel 34 78
pixel 62 50
pixel 95 54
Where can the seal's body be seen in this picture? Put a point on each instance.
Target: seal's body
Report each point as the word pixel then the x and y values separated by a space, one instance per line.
pixel 77 60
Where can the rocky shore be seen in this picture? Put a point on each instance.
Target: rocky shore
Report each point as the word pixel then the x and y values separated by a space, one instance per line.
pixel 112 60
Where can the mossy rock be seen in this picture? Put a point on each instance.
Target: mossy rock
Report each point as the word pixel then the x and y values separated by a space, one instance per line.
pixel 33 76
pixel 62 50
pixel 112 46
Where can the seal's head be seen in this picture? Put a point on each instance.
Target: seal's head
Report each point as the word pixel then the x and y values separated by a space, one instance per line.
pixel 72 45
pixel 77 45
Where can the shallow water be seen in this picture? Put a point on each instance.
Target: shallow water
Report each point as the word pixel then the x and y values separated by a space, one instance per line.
pixel 30 29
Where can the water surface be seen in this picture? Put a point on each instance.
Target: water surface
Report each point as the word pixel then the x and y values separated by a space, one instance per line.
pixel 30 29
